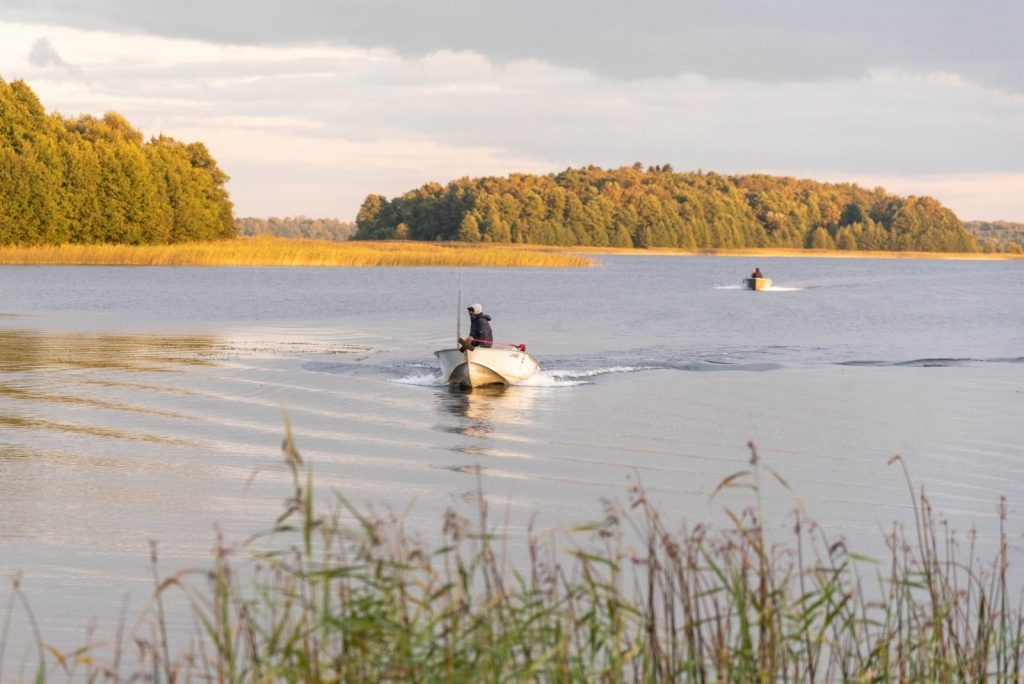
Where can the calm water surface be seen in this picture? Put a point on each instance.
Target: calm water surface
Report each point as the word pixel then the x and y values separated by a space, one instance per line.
pixel 141 404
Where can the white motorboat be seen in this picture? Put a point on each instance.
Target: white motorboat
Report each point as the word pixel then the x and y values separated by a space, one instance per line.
pixel 465 366
pixel 757 283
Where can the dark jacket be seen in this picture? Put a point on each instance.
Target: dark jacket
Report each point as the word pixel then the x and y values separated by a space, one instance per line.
pixel 480 330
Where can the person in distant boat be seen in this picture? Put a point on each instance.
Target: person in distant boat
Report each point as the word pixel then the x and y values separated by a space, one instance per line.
pixel 757 273
pixel 480 327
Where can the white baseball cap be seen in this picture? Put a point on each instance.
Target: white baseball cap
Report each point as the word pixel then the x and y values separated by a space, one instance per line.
pixel 475 309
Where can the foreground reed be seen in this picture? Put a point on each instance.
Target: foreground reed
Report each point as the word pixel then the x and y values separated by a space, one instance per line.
pixel 344 595
pixel 270 251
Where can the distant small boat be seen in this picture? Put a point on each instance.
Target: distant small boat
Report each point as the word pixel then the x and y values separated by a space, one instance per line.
pixel 476 367
pixel 757 283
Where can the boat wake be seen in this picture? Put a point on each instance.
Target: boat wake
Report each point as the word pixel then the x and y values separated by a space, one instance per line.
pixel 420 379
pixel 545 378
pixel 770 288
pixel 425 376
pixel 705 366
pixel 588 376
pixel 935 362
pixel 568 378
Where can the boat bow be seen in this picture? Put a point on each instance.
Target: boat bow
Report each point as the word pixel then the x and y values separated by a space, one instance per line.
pixel 486 366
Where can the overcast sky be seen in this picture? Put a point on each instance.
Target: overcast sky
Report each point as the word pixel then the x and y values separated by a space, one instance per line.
pixel 310 105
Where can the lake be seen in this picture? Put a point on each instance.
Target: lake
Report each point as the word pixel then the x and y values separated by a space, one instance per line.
pixel 141 404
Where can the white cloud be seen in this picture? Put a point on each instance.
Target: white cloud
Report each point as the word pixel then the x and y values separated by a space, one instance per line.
pixel 806 40
pixel 315 176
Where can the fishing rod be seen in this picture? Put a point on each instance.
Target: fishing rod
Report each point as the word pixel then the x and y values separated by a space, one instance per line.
pixel 458 310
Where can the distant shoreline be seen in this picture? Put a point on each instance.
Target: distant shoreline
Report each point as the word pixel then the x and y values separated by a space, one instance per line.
pixel 803 253
pixel 270 251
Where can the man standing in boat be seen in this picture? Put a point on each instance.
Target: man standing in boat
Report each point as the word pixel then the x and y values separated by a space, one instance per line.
pixel 479 327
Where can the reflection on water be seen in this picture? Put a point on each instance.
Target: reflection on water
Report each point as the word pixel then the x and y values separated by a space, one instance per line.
pixel 485 408
pixel 70 383
pixel 484 415
pixel 27 350
pixel 21 394
pixel 90 430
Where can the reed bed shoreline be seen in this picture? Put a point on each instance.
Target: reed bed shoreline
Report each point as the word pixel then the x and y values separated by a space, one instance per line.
pixel 271 251
pixel 344 594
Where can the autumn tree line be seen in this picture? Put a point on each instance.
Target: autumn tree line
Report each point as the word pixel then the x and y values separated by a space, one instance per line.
pixel 92 180
pixel 998 236
pixel 658 207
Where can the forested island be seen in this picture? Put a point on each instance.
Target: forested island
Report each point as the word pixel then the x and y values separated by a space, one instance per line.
pixel 633 207
pixel 88 180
